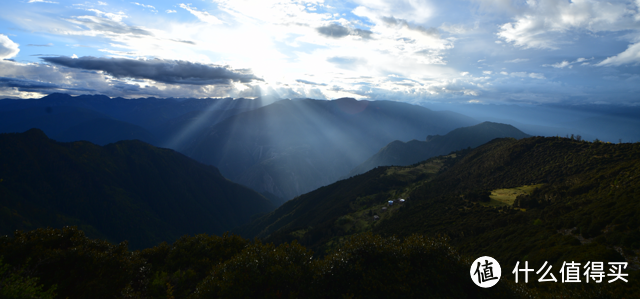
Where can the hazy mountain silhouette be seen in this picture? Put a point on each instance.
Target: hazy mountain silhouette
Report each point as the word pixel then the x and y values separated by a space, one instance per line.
pixel 172 122
pixel 292 147
pixel 103 131
pixel 398 153
pixel 179 133
pixel 127 190
pixel 51 120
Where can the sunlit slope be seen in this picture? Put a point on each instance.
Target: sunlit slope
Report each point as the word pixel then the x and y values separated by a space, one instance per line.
pixel 406 153
pixel 123 191
pixel 343 208
pixel 292 147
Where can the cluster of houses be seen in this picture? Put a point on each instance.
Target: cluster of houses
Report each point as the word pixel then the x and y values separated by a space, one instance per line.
pixel 399 200
pixel 391 202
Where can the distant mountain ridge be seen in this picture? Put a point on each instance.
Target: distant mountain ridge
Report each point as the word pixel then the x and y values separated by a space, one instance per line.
pixel 398 153
pixel 127 190
pixel 292 147
pixel 166 122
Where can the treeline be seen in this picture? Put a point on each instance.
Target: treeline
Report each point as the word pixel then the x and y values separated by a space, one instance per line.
pixel 64 263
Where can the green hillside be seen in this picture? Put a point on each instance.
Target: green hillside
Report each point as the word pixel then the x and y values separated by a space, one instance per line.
pixel 123 191
pixel 585 207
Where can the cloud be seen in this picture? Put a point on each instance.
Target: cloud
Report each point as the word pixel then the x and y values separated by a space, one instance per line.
pixel 145 6
pixel 565 63
pixel 398 37
pixel 537 76
pixel 42 1
pixel 333 30
pixel 201 15
pixel 525 74
pixel 403 23
pixel 417 11
pixel 102 3
pixel 561 65
pixel 517 60
pixel 116 17
pixel 630 56
pixel 36 45
pixel 171 11
pixel 8 48
pixel 165 71
pixel 99 25
pixel 310 83
pixel 26 84
pixel 543 23
pixel 20 80
pixel 455 28
pixel 338 31
pixel 348 63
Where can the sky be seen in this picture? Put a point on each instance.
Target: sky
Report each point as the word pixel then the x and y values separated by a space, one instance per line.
pixel 416 51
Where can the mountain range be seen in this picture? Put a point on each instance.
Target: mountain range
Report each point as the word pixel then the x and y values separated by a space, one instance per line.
pixel 463 192
pixel 100 119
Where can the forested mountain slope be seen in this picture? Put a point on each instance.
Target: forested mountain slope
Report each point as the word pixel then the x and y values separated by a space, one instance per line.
pixel 583 203
pixel 127 190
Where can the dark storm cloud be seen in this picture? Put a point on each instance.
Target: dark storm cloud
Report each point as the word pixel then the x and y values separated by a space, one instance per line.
pixel 165 71
pixel 333 30
pixel 25 84
pixel 310 83
pixel 400 22
pixel 339 31
pixel 34 85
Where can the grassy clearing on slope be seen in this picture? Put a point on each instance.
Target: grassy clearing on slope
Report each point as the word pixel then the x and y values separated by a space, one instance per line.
pixel 506 197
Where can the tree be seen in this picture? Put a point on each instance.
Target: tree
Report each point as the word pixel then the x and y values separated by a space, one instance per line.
pixel 15 285
pixel 261 271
